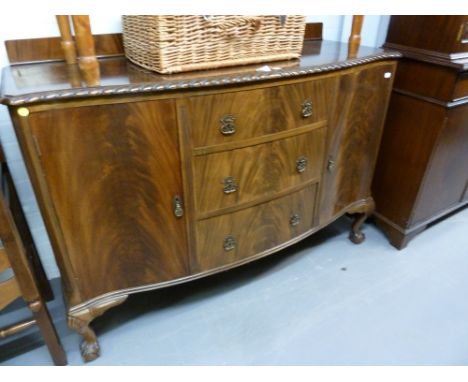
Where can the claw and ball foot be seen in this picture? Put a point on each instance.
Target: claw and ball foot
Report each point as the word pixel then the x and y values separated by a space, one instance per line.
pixel 80 321
pixel 90 350
pixel 356 235
pixel 89 347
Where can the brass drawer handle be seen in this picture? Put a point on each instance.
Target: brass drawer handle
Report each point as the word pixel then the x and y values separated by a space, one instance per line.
pixel 331 165
pixel 177 206
pixel 229 243
pixel 307 108
pixel 230 185
pixel 301 164
pixel 227 125
pixel 294 220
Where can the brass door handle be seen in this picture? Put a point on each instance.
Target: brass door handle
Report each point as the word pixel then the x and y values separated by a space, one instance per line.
pixel 306 108
pixel 331 165
pixel 301 164
pixel 230 185
pixel 228 126
pixel 177 206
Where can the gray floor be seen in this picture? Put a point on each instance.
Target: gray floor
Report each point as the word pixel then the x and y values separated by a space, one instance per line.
pixel 324 301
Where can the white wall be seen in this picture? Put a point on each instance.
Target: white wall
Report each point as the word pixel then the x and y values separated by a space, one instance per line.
pixel 30 25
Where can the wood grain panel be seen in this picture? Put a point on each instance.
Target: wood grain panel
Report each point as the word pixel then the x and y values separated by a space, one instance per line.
pixel 255 229
pixel 461 88
pixel 257 112
pixel 259 171
pixel 447 174
pixel 112 172
pixel 404 155
pixel 354 137
pixel 425 79
pixel 4 262
pixel 49 48
pixel 9 292
pixel 313 31
pixel 432 33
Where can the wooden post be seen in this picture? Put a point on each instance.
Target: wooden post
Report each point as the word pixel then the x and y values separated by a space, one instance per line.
pixel 85 42
pixel 68 45
pixel 355 36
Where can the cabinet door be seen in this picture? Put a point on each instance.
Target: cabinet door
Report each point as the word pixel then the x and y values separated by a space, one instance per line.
pixel 110 173
pixel 354 137
pixel 447 174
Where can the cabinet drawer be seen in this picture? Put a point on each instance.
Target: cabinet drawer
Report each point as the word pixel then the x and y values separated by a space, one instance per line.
pixel 230 117
pixel 228 238
pixel 243 175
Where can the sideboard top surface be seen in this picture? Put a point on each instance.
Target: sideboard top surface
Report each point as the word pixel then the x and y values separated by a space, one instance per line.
pixel 55 80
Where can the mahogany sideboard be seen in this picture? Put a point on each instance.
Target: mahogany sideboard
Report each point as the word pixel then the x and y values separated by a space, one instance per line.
pixel 422 170
pixel 148 180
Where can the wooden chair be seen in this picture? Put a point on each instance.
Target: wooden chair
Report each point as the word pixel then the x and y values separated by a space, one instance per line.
pixel 28 280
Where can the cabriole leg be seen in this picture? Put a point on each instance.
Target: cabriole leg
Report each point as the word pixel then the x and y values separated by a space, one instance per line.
pixel 356 235
pixel 361 214
pixel 80 322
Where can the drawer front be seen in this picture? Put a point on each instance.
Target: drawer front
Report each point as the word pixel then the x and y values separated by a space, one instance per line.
pixel 232 237
pixel 230 117
pixel 244 175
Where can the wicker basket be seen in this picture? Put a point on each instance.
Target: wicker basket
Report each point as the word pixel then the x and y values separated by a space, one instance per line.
pixel 170 44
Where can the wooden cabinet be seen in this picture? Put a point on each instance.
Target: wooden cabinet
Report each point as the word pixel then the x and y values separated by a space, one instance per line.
pixel 422 171
pixel 151 184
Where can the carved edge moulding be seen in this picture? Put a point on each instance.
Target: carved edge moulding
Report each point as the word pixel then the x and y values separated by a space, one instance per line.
pixel 168 85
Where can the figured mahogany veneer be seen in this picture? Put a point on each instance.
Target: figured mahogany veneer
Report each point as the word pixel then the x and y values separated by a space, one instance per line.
pixel 122 159
pixel 257 112
pixel 258 171
pixel 254 230
pixel 148 181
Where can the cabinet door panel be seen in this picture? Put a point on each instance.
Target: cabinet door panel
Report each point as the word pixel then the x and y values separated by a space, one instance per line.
pixel 353 138
pixel 446 177
pixel 112 171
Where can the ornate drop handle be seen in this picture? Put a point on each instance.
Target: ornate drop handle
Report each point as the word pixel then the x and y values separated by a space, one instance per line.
pixel 294 220
pixel 230 185
pixel 306 108
pixel 227 125
pixel 229 243
pixel 301 164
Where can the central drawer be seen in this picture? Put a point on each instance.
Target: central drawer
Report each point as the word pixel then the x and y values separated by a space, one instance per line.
pixel 248 174
pixel 235 116
pixel 232 237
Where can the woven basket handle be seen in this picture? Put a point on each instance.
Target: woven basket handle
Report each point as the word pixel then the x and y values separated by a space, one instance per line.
pixel 235 22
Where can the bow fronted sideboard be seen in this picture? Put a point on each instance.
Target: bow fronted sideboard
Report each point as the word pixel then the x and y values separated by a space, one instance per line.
pixel 146 180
